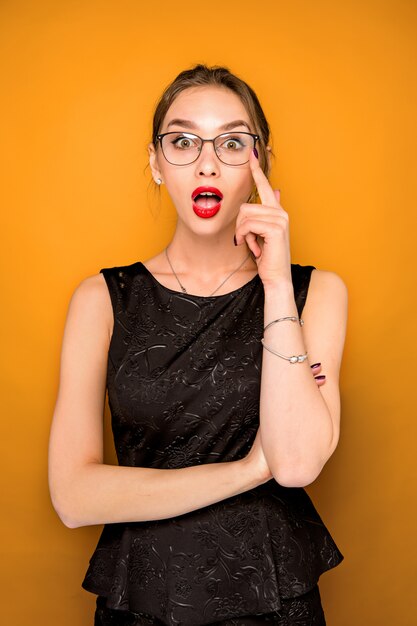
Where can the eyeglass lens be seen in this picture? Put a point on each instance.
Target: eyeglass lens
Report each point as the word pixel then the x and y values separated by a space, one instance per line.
pixel 184 148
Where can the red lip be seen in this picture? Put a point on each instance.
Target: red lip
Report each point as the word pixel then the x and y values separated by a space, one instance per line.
pixel 204 189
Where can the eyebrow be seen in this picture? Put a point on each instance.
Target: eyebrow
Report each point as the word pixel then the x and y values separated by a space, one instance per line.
pixel 191 125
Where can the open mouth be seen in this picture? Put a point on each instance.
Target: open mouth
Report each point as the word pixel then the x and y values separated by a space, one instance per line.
pixel 207 198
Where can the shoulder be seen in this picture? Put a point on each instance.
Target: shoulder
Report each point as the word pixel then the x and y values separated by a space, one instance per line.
pixel 90 304
pixel 327 293
pixel 95 297
pixel 321 278
pixel 91 290
pixel 99 287
pixel 325 281
pixel 116 274
pixel 313 287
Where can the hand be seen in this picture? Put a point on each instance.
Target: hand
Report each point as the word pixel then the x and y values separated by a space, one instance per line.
pixel 270 222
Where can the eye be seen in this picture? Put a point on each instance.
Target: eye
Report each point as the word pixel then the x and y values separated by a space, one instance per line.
pixel 183 142
pixel 232 144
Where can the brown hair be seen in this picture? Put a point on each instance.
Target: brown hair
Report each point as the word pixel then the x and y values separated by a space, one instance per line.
pixel 203 76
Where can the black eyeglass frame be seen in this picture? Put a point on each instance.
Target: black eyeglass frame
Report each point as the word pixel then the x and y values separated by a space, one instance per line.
pixel 203 141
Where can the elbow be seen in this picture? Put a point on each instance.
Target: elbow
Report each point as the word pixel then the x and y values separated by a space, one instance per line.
pixel 295 481
pixel 69 522
pixel 297 477
pixel 300 474
pixel 63 510
pixel 62 502
pixel 69 495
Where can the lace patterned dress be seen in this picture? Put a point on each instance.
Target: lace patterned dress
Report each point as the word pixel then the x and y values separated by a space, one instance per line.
pixel 183 384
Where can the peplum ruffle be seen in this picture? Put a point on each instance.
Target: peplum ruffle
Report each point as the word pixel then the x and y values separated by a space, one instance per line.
pixel 236 557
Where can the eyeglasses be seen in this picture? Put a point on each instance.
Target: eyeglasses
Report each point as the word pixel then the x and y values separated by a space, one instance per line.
pixel 181 148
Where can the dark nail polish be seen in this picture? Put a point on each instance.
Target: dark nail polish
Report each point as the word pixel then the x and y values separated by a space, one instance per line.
pixel 255 152
pixel 321 377
pixel 234 240
pixel 315 365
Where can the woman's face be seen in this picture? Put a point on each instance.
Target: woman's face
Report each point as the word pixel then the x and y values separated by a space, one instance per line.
pixel 207 112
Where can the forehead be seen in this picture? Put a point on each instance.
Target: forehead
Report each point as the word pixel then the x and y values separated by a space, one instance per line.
pixel 207 107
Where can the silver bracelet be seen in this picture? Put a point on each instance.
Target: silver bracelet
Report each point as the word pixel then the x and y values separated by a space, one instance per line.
pixel 292 359
pixel 282 319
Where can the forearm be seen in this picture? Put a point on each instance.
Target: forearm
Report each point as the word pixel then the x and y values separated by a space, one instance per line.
pixel 100 494
pixel 295 423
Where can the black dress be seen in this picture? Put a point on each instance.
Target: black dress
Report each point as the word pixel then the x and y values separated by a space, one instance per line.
pixel 183 385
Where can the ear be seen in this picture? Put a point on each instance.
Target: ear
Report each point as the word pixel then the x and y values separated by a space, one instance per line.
pixel 153 162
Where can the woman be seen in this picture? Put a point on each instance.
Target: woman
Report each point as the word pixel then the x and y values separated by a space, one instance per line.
pixel 217 430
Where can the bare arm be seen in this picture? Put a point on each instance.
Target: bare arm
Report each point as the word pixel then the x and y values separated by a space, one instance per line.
pixel 300 423
pixel 85 491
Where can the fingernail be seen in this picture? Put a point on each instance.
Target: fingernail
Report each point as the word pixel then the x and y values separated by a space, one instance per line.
pixel 255 152
pixel 234 240
pixel 321 377
pixel 315 365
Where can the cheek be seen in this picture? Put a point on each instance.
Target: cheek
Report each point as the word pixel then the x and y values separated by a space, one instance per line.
pixel 244 186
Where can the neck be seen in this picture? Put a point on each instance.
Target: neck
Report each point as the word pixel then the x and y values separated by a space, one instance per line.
pixel 207 256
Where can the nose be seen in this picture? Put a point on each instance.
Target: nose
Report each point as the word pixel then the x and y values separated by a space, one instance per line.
pixel 207 163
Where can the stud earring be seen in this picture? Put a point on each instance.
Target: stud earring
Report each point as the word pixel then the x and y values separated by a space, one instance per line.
pixel 159 181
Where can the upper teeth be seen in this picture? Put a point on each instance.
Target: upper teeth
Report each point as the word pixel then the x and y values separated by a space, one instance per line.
pixel 207 193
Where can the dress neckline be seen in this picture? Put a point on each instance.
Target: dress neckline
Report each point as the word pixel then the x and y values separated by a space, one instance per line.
pixel 253 280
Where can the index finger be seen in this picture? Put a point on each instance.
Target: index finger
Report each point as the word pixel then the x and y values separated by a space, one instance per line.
pixel 266 193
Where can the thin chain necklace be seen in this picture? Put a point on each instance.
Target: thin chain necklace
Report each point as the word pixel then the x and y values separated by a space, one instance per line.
pixel 183 289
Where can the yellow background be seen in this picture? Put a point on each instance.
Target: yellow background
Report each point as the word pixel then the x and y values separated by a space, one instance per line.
pixel 338 84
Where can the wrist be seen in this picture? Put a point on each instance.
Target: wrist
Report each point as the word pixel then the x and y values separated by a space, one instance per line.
pixel 253 472
pixel 280 288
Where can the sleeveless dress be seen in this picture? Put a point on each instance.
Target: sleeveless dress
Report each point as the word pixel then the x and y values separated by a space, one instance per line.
pixel 183 384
